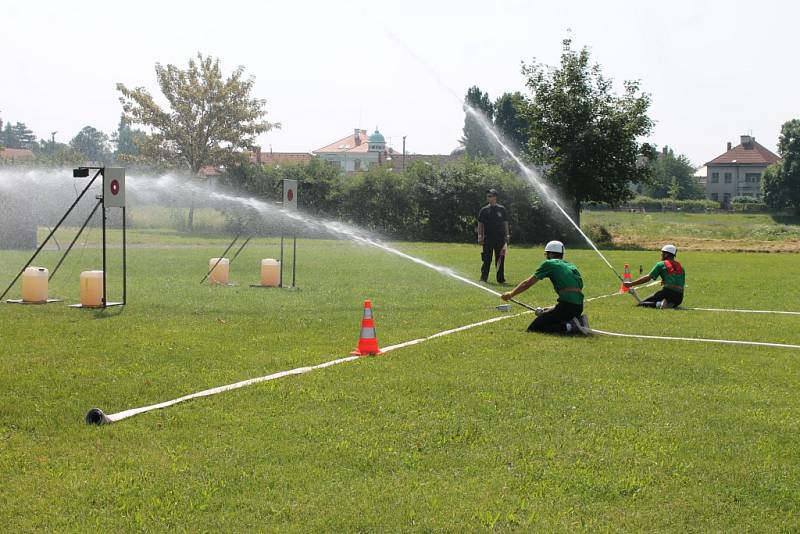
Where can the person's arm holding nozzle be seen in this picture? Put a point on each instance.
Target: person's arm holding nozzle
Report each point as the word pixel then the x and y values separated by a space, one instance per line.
pixel 521 288
pixel 639 281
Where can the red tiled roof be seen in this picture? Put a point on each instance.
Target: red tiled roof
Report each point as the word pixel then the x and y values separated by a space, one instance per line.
pixel 752 153
pixel 275 158
pixel 347 144
pixel 10 153
pixel 209 170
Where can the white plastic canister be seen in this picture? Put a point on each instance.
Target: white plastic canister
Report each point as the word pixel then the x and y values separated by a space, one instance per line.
pixel 270 272
pixel 220 273
pixel 92 289
pixel 34 284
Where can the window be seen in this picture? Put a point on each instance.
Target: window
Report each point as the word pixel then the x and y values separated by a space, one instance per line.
pixel 715 178
pixel 752 177
pixel 357 165
pixel 727 198
pixel 714 196
pixel 728 177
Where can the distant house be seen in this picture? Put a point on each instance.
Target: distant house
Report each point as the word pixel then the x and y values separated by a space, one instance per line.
pixel 277 158
pixel 357 152
pixel 701 175
pixel 15 153
pixel 257 157
pixel 737 172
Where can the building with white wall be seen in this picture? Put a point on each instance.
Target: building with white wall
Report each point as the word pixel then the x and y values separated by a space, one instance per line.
pixel 356 152
pixel 738 172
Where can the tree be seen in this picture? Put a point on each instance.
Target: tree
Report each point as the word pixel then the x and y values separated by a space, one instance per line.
pixel 126 141
pixel 673 177
pixel 475 141
pixel 509 119
pixel 583 133
pixel 18 136
pixel 92 143
pixel 781 181
pixel 208 118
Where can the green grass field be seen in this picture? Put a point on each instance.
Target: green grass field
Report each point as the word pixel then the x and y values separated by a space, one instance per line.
pixel 749 232
pixel 491 428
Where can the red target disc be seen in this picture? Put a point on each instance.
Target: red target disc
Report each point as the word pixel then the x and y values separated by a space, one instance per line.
pixel 114 187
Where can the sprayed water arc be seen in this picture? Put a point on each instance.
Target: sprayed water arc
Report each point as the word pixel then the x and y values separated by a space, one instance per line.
pixel 169 184
pixel 534 180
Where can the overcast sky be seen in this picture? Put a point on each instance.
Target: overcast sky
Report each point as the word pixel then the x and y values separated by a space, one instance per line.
pixel 715 70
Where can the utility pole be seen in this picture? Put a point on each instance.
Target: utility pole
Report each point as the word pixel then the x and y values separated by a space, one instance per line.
pixel 53 142
pixel 404 153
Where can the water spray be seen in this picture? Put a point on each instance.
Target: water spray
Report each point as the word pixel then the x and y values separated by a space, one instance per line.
pixel 529 174
pixel 113 196
pixel 534 180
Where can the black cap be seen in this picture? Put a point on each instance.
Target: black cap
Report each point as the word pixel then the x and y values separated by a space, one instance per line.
pixel 491 192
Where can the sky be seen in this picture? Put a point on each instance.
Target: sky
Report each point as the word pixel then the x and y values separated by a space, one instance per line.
pixel 715 70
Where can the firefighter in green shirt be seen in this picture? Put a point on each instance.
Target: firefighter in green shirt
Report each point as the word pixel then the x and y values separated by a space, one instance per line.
pixel 673 278
pixel 566 315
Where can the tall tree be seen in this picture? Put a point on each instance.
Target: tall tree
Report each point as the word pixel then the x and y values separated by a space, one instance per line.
pixel 509 118
pixel 475 141
pixel 92 143
pixel 583 133
pixel 207 120
pixel 25 136
pixel 126 140
pixel 781 181
pixel 18 135
pixel 673 177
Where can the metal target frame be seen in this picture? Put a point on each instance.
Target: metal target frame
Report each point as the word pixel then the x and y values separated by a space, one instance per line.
pixel 113 196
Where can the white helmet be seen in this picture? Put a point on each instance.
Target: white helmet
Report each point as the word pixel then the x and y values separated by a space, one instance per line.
pixel 554 246
pixel 670 248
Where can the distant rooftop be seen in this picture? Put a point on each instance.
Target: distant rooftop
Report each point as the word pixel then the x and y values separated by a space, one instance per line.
pixel 748 152
pixel 13 153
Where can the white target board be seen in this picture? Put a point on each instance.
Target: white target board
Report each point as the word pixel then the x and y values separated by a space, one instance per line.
pixel 114 187
pixel 290 194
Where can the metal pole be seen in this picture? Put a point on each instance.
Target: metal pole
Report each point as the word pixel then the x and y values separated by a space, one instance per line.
pixel 74 240
pixel 246 241
pixel 235 239
pixel 105 277
pixel 280 279
pixel 404 152
pixel 58 245
pixel 294 258
pixel 53 231
pixel 124 260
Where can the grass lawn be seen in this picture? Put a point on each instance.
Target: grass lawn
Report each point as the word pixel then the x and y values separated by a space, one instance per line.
pixel 750 232
pixel 491 428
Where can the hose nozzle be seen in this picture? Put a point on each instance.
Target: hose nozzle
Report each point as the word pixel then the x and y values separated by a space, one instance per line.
pixel 97 417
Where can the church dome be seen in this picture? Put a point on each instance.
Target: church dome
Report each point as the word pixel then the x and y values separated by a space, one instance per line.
pixel 376 138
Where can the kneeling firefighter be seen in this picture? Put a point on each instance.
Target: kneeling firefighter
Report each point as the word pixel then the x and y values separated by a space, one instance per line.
pixel 673 278
pixel 566 316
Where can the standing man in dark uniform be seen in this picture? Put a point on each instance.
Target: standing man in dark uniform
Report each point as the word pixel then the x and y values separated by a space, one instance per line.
pixel 493 235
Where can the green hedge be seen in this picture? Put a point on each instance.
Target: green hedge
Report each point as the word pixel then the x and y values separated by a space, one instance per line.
pixel 426 202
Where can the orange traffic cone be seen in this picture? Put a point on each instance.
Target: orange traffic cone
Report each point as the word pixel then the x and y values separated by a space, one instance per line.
pixel 626 277
pixel 368 340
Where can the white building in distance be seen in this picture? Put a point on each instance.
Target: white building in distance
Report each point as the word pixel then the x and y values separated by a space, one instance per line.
pixel 356 152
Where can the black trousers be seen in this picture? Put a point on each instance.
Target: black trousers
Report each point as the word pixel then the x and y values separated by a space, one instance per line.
pixel 672 296
pixel 554 320
pixel 489 248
